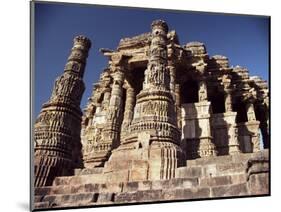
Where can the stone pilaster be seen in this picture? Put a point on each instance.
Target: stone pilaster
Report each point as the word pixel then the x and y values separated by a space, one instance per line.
pixel 112 127
pixel 106 98
pixel 172 70
pixel 129 109
pixel 206 145
pixel 110 133
pixel 57 146
pixel 178 104
pixel 232 130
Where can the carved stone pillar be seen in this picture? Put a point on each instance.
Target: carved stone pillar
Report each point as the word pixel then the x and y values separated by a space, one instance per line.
pixel 206 145
pixel 151 150
pixel 178 104
pixel 112 128
pixel 172 70
pixel 129 109
pixel 232 130
pixel 57 146
pixel 106 98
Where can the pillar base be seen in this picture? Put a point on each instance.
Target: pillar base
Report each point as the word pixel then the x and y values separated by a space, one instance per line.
pixel 143 158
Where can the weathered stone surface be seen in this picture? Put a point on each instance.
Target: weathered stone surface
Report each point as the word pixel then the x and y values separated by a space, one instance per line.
pixel 41 205
pixel 139 196
pixel 88 171
pixel 259 184
pixel 175 183
pixel 195 193
pixel 58 200
pixel 230 190
pixel 215 181
pixel 184 172
pixel 106 197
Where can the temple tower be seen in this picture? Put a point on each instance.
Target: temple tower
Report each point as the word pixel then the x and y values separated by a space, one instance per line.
pixel 151 150
pixel 57 129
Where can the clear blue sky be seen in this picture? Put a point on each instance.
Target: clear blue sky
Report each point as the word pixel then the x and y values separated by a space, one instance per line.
pixel 243 39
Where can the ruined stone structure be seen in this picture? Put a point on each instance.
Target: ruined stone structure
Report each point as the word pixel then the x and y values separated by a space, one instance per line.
pixel 164 122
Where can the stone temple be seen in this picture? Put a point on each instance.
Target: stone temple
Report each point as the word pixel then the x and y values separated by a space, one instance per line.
pixel 164 122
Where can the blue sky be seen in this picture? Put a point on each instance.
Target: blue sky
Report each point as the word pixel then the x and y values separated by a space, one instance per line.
pixel 243 39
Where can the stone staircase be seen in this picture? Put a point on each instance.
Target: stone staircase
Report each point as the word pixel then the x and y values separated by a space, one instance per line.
pixel 224 176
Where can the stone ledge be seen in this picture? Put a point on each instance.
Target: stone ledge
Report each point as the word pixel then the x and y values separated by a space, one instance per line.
pixel 230 190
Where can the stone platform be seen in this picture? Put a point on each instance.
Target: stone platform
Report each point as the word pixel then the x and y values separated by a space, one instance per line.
pixel 213 177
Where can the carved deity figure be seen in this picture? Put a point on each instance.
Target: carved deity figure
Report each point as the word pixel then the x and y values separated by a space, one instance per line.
pixel 202 92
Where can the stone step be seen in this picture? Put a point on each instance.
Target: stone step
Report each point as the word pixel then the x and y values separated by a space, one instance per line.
pixel 90 198
pixel 117 187
pixel 227 159
pixel 162 195
pixel 59 200
pixel 75 200
pixel 79 188
pixel 41 205
pixel 223 180
pixel 79 179
pixel 87 171
pixel 232 190
pixel 211 170
pixel 182 193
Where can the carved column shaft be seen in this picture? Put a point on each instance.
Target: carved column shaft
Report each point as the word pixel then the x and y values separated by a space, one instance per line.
pixel 57 128
pixel 172 70
pixel 178 104
pixel 106 98
pixel 129 108
pixel 112 127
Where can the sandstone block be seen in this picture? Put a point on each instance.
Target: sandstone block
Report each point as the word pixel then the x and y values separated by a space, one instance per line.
pixel 105 197
pixel 110 187
pixel 130 186
pixel 41 205
pixel 57 200
pixel 138 174
pixel 139 196
pixel 230 190
pixel 184 172
pixel 215 181
pixel 194 193
pixel 259 184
